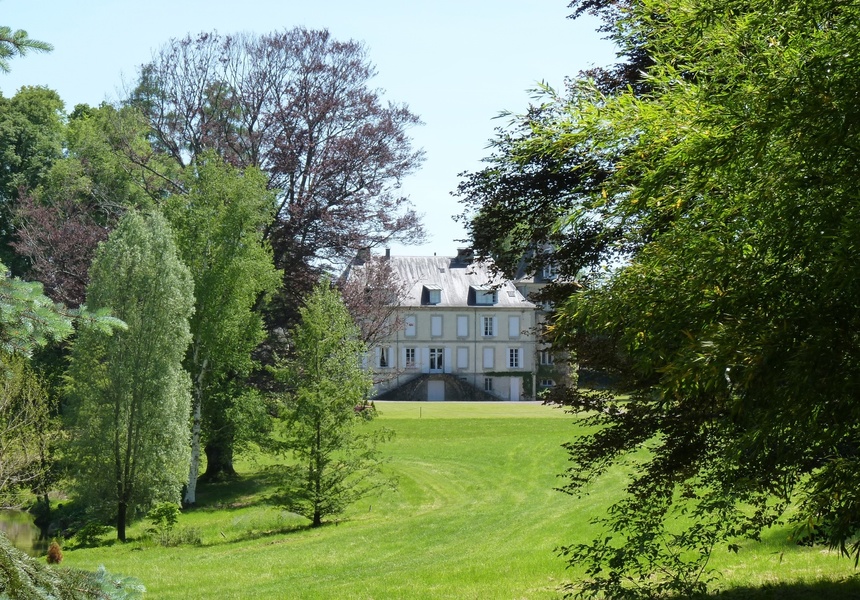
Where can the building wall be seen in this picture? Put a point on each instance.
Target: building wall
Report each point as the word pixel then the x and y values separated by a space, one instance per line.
pixel 462 348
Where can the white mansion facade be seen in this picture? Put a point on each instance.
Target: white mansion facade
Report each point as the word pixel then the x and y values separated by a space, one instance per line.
pixel 461 334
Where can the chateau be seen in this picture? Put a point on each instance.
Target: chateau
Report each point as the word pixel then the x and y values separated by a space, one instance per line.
pixel 461 334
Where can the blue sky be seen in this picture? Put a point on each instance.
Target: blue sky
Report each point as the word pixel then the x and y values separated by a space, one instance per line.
pixel 456 63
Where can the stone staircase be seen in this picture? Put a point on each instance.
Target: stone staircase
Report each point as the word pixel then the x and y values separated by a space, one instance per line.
pixel 415 390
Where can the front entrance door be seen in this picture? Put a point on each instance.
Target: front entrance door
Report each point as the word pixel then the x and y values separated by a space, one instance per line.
pixel 516 385
pixel 437 360
pixel 435 391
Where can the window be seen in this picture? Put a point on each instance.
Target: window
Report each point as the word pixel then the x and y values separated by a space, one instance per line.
pixel 547 383
pixel 489 326
pixel 383 357
pixel 489 357
pixel 434 293
pixel 513 327
pixel 488 384
pixel 409 326
pixel 514 358
pixel 436 359
pixel 462 325
pixel 409 356
pixel 546 357
pixel 549 271
pixel 486 296
pixel 436 325
pixel 462 358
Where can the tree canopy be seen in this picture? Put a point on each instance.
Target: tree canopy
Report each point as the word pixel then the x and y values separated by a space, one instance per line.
pixel 298 104
pixel 711 215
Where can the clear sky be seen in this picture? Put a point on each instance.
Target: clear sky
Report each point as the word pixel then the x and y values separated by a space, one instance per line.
pixel 455 63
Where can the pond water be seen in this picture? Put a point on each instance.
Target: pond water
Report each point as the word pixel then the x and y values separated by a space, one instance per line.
pixel 22 532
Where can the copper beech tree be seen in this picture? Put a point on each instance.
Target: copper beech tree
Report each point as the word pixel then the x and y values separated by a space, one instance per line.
pixel 298 105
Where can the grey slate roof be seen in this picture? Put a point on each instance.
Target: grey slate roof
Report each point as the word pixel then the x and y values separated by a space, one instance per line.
pixel 458 281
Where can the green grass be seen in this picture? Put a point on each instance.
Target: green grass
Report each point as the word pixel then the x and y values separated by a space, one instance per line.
pixel 475 516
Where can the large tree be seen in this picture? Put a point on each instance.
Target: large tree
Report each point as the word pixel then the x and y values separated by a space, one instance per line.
pixel 62 216
pixel 336 463
pixel 31 136
pixel 718 225
pixel 219 223
pixel 130 395
pixel 299 105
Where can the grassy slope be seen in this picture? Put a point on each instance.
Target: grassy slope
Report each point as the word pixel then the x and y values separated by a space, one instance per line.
pixel 475 516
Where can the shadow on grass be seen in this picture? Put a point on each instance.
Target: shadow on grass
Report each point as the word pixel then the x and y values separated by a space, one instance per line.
pixel 845 589
pixel 241 491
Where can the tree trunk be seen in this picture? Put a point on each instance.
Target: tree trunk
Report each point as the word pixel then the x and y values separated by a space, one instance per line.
pixel 219 460
pixel 191 489
pixel 317 518
pixel 121 514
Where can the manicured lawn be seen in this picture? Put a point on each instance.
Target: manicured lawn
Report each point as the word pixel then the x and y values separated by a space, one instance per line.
pixel 475 516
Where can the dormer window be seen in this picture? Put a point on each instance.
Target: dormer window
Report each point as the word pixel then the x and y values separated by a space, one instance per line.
pixel 486 296
pixel 432 293
pixel 549 272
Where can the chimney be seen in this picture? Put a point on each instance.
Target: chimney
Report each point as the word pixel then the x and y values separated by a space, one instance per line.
pixel 362 256
pixel 387 253
pixel 465 256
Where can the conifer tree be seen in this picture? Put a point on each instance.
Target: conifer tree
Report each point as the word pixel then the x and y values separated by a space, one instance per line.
pixel 336 464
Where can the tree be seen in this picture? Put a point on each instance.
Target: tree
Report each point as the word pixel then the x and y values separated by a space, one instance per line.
pixel 721 290
pixel 31 136
pixel 62 216
pixel 25 424
pixel 130 395
pixel 17 43
pixel 372 293
pixel 219 224
pixel 298 105
pixel 335 463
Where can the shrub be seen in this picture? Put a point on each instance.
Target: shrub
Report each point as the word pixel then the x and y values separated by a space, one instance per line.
pixel 89 536
pixel 55 553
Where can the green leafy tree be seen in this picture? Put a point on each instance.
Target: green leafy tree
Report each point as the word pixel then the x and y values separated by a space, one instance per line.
pixel 716 215
pixel 130 395
pixel 219 224
pixel 31 138
pixel 336 464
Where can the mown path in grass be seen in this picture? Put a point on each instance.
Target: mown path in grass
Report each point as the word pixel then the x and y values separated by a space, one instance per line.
pixel 475 516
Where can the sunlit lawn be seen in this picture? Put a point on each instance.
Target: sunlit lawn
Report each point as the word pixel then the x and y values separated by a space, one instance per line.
pixel 475 516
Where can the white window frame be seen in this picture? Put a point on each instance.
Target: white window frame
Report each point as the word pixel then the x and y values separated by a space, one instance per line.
pixel 434 293
pixel 486 297
pixel 488 384
pixel 410 362
pixel 546 357
pixel 488 326
pixel 437 360
pixel 515 358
